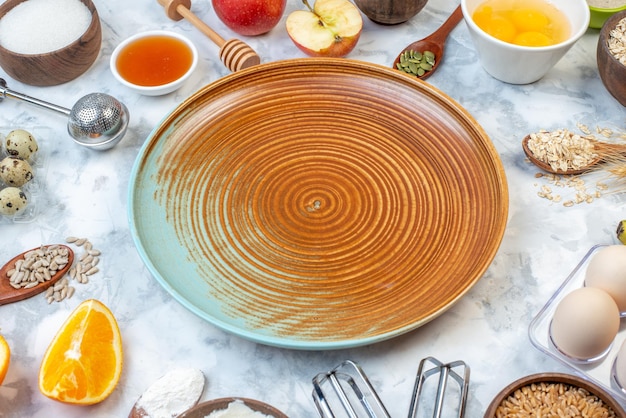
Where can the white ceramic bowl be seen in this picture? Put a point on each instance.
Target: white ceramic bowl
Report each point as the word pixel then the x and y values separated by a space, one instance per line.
pixel 154 90
pixel 519 64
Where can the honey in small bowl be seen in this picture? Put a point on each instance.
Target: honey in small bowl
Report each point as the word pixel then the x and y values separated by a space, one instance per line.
pixel 154 63
pixel 534 23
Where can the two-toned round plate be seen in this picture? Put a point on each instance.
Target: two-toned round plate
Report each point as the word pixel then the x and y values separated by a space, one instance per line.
pixel 318 203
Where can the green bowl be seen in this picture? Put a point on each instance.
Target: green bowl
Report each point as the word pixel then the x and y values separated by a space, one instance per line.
pixel 599 15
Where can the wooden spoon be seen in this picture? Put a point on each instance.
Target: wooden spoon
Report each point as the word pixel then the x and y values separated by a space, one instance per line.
pixel 434 42
pixel 9 294
pixel 235 54
pixel 603 149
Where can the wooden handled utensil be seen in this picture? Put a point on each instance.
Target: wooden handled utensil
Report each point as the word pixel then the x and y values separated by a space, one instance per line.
pixel 235 54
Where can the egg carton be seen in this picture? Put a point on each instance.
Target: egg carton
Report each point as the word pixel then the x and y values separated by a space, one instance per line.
pixel 35 188
pixel 599 371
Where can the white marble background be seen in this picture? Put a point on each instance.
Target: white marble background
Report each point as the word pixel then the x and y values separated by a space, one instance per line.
pixel 86 195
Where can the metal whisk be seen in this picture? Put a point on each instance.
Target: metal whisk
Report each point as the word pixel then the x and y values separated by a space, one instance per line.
pixel 347 391
pixel 351 392
pixel 443 371
pixel 97 120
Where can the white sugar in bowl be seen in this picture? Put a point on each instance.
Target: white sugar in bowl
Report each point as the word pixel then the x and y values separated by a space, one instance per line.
pixel 72 33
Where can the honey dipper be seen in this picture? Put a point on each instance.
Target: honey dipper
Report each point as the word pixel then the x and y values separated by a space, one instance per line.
pixel 235 54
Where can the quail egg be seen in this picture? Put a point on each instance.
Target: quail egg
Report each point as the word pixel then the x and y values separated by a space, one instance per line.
pixel 12 201
pixel 607 271
pixel 15 171
pixel 585 323
pixel 20 143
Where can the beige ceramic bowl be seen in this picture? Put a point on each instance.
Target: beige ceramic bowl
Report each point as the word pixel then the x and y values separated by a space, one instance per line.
pixel 58 66
pixel 549 378
pixel 612 71
pixel 519 64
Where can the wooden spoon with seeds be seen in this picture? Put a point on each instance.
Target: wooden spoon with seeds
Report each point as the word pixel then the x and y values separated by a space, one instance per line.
pixel 9 294
pixel 602 149
pixel 434 42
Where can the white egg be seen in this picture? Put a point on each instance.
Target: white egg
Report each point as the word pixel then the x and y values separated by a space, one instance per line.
pixel 607 271
pixel 585 323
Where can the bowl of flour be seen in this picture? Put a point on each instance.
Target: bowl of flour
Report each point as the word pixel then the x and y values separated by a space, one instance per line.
pixel 233 408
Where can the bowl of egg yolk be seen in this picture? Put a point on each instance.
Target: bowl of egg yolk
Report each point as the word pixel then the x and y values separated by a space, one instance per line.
pixel 519 41
pixel 154 63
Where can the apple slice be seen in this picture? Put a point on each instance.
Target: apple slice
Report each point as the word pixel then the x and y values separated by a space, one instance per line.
pixel 329 29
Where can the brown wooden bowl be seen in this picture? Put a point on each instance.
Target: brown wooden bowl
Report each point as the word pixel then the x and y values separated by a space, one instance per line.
pixel 56 67
pixel 206 408
pixel 612 72
pixel 564 378
pixel 390 12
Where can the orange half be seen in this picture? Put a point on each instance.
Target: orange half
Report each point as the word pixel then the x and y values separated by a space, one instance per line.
pixel 83 363
pixel 5 357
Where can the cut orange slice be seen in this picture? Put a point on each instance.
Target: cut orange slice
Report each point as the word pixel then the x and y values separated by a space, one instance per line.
pixel 83 363
pixel 5 357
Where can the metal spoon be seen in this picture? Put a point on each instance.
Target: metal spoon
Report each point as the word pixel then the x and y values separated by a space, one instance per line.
pixel 9 294
pixel 434 42
pixel 603 149
pixel 96 121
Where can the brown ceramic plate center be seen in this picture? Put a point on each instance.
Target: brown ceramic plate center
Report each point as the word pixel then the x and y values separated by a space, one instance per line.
pixel 318 203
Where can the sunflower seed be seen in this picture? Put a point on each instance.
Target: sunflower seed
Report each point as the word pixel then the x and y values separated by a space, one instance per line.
pixel 79 242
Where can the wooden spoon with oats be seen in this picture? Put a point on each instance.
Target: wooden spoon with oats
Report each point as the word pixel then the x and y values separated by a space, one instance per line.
pixel 569 159
pixel 14 290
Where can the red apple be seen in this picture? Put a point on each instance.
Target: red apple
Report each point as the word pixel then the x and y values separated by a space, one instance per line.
pixel 331 28
pixel 249 17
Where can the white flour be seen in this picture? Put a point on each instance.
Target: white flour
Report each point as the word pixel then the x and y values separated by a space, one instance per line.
pixel 172 394
pixel 237 409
